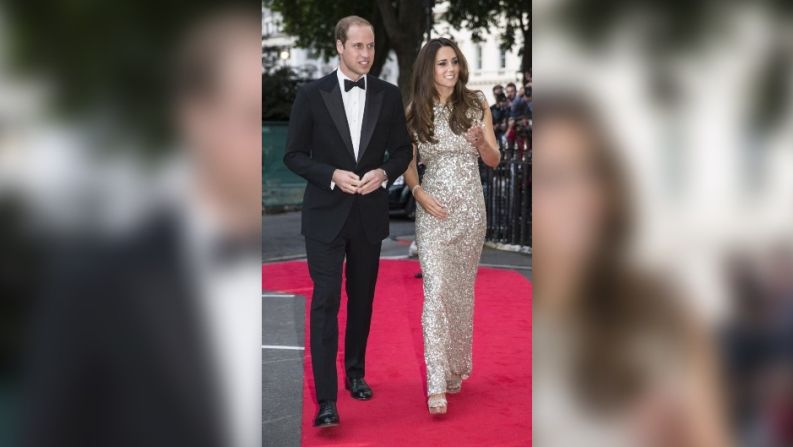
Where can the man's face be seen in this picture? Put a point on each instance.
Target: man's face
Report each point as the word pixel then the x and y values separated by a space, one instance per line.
pixel 510 92
pixel 357 53
pixel 497 91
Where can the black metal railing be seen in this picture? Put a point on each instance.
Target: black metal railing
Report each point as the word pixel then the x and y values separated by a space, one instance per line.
pixel 507 190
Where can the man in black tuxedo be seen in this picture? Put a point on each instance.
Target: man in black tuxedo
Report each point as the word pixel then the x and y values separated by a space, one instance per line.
pixel 347 137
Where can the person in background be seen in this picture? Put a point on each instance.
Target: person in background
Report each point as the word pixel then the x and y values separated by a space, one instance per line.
pixel 519 106
pixel 498 90
pixel 511 92
pixel 500 114
pixel 511 134
pixel 528 96
pixel 522 135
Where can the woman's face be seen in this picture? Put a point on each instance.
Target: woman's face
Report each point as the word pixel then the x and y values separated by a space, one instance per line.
pixel 568 198
pixel 447 67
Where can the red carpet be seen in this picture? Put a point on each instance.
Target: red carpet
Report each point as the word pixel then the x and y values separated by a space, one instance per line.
pixel 494 408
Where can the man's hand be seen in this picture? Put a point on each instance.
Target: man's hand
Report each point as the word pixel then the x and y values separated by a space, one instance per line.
pixel 371 181
pixel 347 181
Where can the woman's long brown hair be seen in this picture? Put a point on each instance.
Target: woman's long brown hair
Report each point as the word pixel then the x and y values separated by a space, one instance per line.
pixel 423 94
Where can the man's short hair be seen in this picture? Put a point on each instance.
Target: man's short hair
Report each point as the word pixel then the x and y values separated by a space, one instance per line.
pixel 498 86
pixel 345 23
pixel 511 84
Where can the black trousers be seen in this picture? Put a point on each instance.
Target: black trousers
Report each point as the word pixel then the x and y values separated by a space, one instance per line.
pixel 325 264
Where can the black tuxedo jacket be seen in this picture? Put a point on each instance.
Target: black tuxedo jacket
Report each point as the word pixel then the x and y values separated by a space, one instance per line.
pixel 118 354
pixel 319 142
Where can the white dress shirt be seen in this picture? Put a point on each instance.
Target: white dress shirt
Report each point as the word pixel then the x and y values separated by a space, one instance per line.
pixel 354 105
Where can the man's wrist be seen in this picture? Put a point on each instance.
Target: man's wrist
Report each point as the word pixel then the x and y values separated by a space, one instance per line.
pixel 385 174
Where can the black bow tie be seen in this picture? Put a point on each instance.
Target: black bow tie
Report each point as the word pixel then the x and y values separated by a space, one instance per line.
pixel 348 85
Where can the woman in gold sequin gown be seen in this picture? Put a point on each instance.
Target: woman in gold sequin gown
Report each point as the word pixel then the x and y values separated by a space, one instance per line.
pixel 452 128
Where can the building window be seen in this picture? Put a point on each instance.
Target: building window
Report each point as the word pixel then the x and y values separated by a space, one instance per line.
pixel 479 56
pixel 503 61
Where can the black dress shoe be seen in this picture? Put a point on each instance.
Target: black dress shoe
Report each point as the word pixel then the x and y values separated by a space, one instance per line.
pixel 327 416
pixel 358 389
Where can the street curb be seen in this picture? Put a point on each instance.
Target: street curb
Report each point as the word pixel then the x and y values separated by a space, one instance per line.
pixel 509 247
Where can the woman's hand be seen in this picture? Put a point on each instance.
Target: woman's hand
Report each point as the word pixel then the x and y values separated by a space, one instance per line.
pixel 476 136
pixel 429 204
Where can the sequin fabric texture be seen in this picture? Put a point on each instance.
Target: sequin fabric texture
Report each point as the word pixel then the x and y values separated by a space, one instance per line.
pixel 449 251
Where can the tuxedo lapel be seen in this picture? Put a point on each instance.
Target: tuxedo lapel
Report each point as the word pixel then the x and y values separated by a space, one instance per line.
pixel 371 112
pixel 331 95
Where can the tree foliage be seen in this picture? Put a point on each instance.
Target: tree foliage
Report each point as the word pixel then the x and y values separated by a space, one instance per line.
pixel 280 87
pixel 487 16
pixel 313 24
pixel 405 22
pixel 400 24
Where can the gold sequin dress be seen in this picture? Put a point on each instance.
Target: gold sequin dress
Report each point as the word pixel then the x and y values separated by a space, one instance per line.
pixel 449 251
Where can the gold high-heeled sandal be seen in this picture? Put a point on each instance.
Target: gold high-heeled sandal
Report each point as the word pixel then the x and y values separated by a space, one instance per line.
pixel 437 404
pixel 455 385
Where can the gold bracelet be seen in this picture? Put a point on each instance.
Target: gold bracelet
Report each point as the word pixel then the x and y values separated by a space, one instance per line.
pixel 413 190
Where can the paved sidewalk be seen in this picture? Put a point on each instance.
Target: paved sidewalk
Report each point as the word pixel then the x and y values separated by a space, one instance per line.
pixel 281 240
